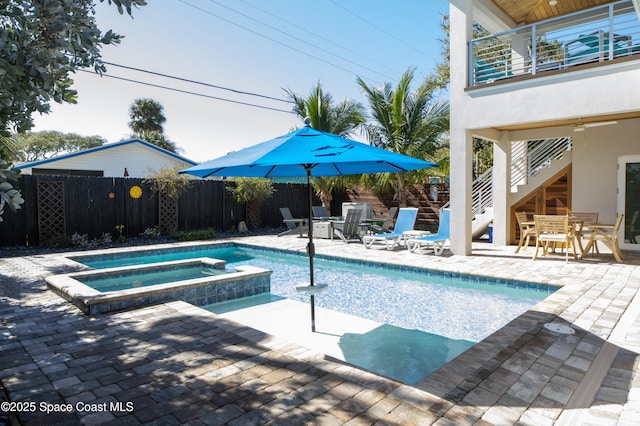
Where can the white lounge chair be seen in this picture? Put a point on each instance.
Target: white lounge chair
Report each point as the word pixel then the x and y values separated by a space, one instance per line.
pixel 405 222
pixel 437 241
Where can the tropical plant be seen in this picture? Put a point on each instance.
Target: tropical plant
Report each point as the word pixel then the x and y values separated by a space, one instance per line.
pixel 342 119
pixel 406 122
pixel 42 43
pixel 252 192
pixel 147 120
pixel 33 146
pixel 9 196
pixel 168 182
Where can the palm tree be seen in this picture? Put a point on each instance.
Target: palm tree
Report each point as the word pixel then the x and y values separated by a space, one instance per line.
pixel 410 123
pixel 146 116
pixel 146 122
pixel 341 119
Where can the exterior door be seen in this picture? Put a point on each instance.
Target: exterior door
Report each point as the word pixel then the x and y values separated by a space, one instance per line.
pixel 629 201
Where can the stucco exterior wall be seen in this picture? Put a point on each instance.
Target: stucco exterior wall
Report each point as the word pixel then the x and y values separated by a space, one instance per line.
pixel 595 160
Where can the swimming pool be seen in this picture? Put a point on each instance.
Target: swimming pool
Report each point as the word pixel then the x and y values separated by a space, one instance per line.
pixel 456 306
pixel 427 318
pixel 132 278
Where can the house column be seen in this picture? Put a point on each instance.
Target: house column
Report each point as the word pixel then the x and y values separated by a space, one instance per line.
pixel 501 192
pixel 460 143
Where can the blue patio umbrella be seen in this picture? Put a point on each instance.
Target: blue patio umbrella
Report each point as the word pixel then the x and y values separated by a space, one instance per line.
pixel 308 152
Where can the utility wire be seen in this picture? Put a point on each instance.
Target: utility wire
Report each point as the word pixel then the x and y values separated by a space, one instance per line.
pixel 271 39
pixel 188 92
pixel 299 39
pixel 380 29
pixel 197 82
pixel 293 24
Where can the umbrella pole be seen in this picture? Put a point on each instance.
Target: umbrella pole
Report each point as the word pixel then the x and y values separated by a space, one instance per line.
pixel 311 249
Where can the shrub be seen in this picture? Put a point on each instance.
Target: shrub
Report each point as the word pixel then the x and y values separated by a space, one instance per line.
pixel 152 233
pixel 199 234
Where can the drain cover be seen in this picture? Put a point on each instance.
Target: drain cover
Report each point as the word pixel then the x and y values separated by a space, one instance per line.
pixel 559 328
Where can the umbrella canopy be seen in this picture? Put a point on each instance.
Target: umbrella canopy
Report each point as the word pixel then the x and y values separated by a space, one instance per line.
pixel 308 152
pixel 290 155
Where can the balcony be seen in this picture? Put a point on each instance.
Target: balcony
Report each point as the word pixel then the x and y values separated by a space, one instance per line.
pixel 598 35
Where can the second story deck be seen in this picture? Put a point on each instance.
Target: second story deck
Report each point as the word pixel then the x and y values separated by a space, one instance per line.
pixel 591 37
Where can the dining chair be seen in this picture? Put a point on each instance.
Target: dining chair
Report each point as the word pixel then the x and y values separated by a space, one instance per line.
pixel 552 230
pixel 608 235
pixel 527 230
pixel 582 221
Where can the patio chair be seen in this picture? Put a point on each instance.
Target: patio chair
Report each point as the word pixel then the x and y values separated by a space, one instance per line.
pixel 386 225
pixel 582 222
pixel 527 230
pixel 553 230
pixel 406 220
pixel 348 228
pixel 294 225
pixel 607 234
pixel 319 212
pixel 595 47
pixel 437 241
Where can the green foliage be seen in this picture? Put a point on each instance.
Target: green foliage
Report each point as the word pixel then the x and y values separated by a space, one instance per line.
pixel 42 43
pixel 33 146
pixel 152 233
pixel 168 181
pixel 58 241
pixel 83 240
pixel 200 234
pixel 9 196
pixel 147 119
pixel 408 122
pixel 252 192
pixel 342 119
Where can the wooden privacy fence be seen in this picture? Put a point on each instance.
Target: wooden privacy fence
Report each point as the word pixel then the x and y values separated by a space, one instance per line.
pixel 64 205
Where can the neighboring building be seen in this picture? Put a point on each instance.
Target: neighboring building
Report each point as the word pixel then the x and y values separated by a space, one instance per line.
pixel 549 71
pixel 131 158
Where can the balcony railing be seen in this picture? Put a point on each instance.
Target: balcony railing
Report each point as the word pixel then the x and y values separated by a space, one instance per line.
pixel 595 35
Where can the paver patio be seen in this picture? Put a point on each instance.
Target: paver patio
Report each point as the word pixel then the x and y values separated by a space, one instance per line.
pixel 178 364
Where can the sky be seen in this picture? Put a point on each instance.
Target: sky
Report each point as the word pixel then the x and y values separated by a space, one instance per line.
pixel 250 46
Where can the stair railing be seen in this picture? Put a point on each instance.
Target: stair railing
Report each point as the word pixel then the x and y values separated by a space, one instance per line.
pixel 540 154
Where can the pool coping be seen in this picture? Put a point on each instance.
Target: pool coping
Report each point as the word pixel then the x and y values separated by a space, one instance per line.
pixel 92 301
pixel 601 311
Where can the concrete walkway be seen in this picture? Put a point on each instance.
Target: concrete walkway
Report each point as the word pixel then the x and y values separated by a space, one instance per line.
pixel 178 364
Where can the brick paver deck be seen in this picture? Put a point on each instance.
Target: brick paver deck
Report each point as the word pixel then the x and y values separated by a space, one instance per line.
pixel 178 364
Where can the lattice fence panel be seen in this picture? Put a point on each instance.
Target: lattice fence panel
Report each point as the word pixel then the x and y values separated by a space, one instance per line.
pixel 168 214
pixel 51 215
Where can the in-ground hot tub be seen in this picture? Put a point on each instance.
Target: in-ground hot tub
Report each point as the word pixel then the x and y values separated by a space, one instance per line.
pixel 199 281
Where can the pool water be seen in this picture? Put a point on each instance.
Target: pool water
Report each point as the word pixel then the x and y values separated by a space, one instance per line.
pixel 133 279
pixel 427 319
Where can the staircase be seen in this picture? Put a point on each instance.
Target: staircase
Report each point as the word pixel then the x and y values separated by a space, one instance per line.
pixel 428 198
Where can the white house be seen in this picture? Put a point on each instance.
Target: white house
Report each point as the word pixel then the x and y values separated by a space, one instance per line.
pixel 131 158
pixel 565 72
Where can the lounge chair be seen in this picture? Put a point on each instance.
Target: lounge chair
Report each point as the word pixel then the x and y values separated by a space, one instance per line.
pixel 595 47
pixel 319 212
pixel 527 230
pixel 295 226
pixel 405 222
pixel 349 227
pixel 386 225
pixel 437 241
